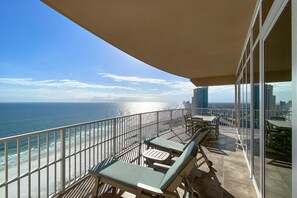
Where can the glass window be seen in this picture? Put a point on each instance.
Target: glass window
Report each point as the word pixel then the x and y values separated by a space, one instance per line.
pixel 248 102
pixel 256 102
pixel 277 107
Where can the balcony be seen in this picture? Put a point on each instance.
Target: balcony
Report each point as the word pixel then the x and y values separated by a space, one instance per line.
pixel 55 162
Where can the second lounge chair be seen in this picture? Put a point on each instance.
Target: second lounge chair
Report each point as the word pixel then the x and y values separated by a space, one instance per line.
pixel 176 149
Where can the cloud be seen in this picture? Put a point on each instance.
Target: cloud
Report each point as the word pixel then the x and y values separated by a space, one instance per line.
pixel 134 79
pixel 66 83
pixel 183 85
pixel 58 95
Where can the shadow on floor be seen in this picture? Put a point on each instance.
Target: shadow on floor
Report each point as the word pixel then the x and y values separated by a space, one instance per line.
pixel 207 184
pixel 218 145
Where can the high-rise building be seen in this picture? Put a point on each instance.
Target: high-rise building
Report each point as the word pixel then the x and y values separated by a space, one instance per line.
pixel 200 99
pixel 270 99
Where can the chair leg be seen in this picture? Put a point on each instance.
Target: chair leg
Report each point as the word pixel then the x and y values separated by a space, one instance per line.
pixel 96 187
pixel 217 133
pixel 192 192
pixel 208 162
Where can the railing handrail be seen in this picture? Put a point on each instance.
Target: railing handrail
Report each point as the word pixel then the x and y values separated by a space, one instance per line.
pixel 212 108
pixel 8 138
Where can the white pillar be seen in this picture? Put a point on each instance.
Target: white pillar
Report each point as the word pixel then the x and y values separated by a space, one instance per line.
pixel 294 103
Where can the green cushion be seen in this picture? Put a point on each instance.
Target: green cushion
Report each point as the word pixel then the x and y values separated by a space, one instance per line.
pixel 127 174
pixel 163 144
pixel 199 136
pixel 189 153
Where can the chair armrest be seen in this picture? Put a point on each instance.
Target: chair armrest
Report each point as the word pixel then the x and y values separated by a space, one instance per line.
pixel 150 189
pixel 161 167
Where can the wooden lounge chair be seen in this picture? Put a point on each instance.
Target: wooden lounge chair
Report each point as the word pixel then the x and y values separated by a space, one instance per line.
pixel 176 149
pixel 143 181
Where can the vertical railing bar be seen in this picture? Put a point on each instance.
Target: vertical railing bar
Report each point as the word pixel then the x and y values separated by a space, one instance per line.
pixel 90 128
pixel 118 147
pixel 93 144
pixel 101 146
pixel 105 139
pixel 124 132
pixel 6 167
pixel 18 167
pixel 80 153
pixel 140 131
pixel 97 132
pixel 62 170
pixel 75 133
pixel 110 134
pixel 69 159
pixel 121 131
pixel 38 145
pixel 47 162
pixel 85 156
pixel 114 137
pixel 171 120
pixel 55 166
pixel 110 137
pixel 29 167
pixel 158 123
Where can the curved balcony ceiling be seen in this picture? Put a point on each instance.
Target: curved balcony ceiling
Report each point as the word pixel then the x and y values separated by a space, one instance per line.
pixel 197 39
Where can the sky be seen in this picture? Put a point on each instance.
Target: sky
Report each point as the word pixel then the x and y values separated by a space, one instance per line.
pixel 45 57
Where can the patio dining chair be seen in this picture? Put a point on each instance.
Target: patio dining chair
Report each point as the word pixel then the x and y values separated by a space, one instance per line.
pixel 273 137
pixel 215 127
pixel 197 124
pixel 188 123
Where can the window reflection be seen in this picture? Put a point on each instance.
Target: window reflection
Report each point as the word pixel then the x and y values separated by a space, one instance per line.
pixel 277 107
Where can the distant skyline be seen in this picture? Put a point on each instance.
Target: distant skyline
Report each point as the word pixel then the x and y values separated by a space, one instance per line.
pixel 45 57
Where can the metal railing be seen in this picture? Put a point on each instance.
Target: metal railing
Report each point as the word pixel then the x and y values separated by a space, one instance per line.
pixel 45 163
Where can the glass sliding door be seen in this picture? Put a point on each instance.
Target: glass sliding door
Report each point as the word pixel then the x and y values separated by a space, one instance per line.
pixel 256 119
pixel 248 113
pixel 277 107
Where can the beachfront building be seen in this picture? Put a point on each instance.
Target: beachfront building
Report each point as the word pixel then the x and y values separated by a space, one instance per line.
pixel 249 44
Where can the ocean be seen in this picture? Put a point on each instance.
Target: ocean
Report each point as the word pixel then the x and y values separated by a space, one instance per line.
pixel 19 118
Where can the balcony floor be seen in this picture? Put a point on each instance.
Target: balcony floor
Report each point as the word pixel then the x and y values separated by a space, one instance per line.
pixel 229 176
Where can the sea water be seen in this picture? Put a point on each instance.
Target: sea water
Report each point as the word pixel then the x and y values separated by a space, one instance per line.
pixel 21 118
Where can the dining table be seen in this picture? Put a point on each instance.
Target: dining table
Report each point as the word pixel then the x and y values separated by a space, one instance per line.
pixel 205 118
pixel 281 124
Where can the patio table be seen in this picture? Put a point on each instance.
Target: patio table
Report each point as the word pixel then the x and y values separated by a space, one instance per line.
pixel 280 124
pixel 153 155
pixel 205 118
